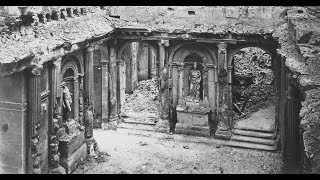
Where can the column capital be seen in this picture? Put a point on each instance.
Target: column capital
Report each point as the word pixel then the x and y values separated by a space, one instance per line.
pixel 164 42
pixel 104 61
pixel 222 46
pixel 210 66
pixel 181 66
pixel 57 62
pixel 92 47
pixel 175 64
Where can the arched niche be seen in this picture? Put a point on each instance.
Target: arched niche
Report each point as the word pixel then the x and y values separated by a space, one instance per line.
pixel 71 73
pixel 181 66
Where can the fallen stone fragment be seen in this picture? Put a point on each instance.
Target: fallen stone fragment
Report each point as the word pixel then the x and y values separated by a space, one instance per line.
pixel 221 170
pixel 264 167
pixel 186 147
pixel 142 143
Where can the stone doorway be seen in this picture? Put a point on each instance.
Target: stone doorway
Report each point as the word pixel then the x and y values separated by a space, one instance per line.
pixel 253 97
pixel 139 72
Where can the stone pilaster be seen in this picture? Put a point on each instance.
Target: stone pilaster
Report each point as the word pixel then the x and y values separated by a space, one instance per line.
pixel 174 84
pixel 104 61
pixel 223 130
pixel 180 85
pixel 34 117
pixel 161 54
pixel 105 91
pixel 113 82
pixel 88 75
pixel 56 131
pixel 212 95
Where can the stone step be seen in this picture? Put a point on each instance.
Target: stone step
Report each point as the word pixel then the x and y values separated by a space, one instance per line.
pixel 139 126
pixel 253 129
pixel 250 145
pixel 266 135
pixel 254 140
pixel 137 122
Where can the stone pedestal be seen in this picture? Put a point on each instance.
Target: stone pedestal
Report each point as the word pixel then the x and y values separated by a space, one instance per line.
pixel 73 161
pixel 193 115
pixel 70 127
pixel 72 148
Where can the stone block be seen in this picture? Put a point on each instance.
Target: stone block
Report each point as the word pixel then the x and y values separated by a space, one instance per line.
pixel 232 12
pixel 200 120
pixel 58 170
pixel 67 146
pixel 70 127
pixel 253 12
pixel 184 118
pixel 72 162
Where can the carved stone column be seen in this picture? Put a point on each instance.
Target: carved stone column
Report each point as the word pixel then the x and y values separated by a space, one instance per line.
pixel 212 95
pixel 88 75
pixel 175 84
pixel 122 83
pixel 161 54
pixel 105 90
pixel 113 81
pixel 223 130
pixel 34 116
pixel 81 101
pixel 56 130
pixel 181 76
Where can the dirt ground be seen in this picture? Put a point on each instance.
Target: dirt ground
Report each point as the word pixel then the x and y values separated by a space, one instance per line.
pixel 263 119
pixel 144 152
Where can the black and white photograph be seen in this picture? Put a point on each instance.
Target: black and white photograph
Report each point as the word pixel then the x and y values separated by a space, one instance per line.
pixel 159 89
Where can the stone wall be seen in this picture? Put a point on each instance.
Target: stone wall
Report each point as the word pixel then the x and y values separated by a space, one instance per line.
pixel 193 17
pixel 12 125
pixel 299 40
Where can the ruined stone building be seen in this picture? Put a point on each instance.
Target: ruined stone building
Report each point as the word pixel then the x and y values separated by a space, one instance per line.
pixel 85 51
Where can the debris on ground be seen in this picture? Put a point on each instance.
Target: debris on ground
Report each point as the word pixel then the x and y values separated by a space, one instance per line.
pixel 142 104
pixel 264 167
pixel 142 143
pixel 186 147
pixel 221 170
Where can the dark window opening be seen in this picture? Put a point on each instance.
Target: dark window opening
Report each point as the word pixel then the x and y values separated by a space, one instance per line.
pixel 118 17
pixel 191 13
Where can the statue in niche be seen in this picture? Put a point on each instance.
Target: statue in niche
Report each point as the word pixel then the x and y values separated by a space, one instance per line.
pixel 194 80
pixel 66 102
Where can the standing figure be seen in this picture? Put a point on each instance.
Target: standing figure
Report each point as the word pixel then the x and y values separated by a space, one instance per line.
pixel 66 101
pixel 195 79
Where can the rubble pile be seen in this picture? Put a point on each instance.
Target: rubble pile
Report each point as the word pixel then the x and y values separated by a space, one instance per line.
pixel 142 104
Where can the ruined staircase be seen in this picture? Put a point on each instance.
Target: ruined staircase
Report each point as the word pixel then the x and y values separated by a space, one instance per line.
pixel 253 139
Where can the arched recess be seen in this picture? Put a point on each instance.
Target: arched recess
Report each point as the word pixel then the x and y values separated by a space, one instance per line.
pixel 123 66
pixel 71 73
pixel 271 50
pixel 210 56
pixel 179 73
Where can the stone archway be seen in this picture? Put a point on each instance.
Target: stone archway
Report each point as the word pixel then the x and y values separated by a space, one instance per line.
pixel 131 65
pixel 262 125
